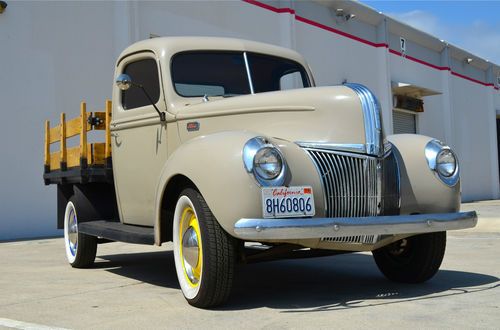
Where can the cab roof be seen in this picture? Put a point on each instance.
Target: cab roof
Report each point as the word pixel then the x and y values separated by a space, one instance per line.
pixel 170 45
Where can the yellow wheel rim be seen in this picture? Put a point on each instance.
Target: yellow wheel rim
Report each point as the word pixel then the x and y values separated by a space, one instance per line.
pixel 190 246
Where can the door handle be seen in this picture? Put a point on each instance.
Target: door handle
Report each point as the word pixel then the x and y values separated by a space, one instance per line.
pixel 116 136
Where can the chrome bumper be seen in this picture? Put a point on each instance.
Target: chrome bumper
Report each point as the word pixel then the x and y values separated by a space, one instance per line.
pixel 305 228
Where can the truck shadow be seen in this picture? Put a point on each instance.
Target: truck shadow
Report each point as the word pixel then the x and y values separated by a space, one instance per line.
pixel 306 285
pixel 155 268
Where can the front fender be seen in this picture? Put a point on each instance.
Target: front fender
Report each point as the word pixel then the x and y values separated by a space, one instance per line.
pixel 421 190
pixel 214 164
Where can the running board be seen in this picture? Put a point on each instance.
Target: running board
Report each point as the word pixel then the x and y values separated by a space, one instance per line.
pixel 117 231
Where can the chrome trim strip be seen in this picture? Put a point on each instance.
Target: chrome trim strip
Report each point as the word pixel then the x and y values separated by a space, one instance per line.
pixel 398 176
pixel 315 161
pixel 342 153
pixel 311 228
pixel 249 75
pixel 347 147
pixel 379 174
pixel 372 119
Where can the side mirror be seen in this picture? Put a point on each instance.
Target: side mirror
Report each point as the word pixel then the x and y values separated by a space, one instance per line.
pixel 124 82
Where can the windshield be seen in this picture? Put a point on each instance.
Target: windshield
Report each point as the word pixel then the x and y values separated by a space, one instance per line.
pixel 196 74
pixel 270 73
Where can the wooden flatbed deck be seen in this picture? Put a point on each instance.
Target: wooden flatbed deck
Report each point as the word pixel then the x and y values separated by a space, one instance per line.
pixel 88 162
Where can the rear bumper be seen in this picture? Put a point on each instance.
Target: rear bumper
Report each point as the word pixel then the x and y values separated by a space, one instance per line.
pixel 307 228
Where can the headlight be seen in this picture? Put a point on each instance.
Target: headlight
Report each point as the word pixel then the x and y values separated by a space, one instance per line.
pixel 268 163
pixel 446 163
pixel 265 162
pixel 442 160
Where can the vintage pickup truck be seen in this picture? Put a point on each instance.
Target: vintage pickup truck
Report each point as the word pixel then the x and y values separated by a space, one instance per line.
pixel 221 144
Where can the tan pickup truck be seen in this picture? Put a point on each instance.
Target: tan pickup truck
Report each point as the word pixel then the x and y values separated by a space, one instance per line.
pixel 226 148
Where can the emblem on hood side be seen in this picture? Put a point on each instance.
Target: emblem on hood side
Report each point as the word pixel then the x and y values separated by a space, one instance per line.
pixel 193 126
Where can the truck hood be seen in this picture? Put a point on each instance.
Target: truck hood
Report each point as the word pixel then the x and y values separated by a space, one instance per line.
pixel 318 115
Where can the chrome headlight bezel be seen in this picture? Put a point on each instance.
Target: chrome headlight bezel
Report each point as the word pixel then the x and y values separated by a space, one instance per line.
pixel 433 150
pixel 250 151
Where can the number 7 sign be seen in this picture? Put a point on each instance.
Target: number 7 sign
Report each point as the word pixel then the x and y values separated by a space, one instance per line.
pixel 402 43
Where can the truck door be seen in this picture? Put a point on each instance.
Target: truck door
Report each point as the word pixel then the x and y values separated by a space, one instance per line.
pixel 139 147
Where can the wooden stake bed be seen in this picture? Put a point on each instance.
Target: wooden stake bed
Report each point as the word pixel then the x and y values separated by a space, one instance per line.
pixel 88 162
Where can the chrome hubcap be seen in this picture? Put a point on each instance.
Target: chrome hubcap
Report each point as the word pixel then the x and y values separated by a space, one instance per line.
pixel 190 252
pixel 72 232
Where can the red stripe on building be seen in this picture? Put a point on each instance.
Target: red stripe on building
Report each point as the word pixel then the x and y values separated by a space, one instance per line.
pixel 470 79
pixel 342 33
pixel 414 59
pixel 361 40
pixel 313 23
pixel 269 7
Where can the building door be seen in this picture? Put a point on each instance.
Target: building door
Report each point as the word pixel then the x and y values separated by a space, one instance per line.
pixel 404 122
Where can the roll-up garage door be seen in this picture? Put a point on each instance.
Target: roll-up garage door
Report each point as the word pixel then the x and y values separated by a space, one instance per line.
pixel 404 122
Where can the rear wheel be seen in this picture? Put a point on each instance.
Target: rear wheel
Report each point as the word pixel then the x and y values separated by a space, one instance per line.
pixel 414 259
pixel 81 248
pixel 204 253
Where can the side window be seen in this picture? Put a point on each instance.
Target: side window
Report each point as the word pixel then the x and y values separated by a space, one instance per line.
pixel 291 80
pixel 144 72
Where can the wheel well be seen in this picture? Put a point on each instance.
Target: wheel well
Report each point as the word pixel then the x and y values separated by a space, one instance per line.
pixel 174 187
pixel 96 201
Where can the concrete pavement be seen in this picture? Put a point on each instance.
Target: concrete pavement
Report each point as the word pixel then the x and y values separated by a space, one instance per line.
pixel 133 286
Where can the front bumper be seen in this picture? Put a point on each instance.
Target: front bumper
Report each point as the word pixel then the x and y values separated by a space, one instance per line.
pixel 307 228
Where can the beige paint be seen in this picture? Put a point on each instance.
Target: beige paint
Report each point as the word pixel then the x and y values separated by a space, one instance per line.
pixel 421 190
pixel 165 48
pixel 215 164
pixel 147 153
pixel 310 114
pixel 139 149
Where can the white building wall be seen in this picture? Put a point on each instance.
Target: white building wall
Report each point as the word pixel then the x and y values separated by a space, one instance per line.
pixel 52 55
pixel 432 121
pixel 496 101
pixel 473 119
pixel 331 58
pixel 56 54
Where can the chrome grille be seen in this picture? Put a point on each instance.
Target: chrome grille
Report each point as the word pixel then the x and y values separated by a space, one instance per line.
pixel 350 183
pixel 361 239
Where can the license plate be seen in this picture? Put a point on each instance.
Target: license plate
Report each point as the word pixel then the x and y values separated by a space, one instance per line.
pixel 283 202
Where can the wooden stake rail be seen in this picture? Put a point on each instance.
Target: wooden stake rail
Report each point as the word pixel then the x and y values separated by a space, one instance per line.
pixel 86 154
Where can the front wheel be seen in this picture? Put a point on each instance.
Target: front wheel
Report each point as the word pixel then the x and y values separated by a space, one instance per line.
pixel 204 253
pixel 81 248
pixel 415 259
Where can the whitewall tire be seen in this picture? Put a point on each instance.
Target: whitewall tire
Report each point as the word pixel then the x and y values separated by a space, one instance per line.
pixel 80 248
pixel 204 253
